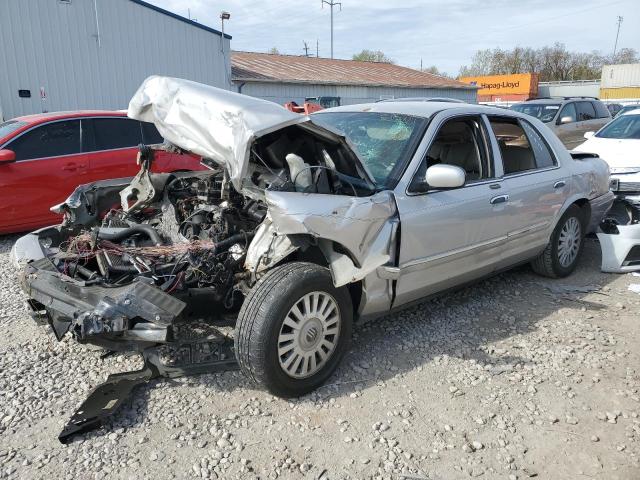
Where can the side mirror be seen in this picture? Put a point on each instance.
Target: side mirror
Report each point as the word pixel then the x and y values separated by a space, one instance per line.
pixel 7 156
pixel 564 120
pixel 445 176
pixel 588 134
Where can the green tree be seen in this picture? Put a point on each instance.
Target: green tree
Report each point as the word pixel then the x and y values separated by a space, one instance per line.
pixel 274 51
pixel 372 56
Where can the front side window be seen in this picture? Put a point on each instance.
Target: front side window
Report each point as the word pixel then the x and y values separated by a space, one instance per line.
pixel 568 113
pixel 50 140
pixel 521 146
pixel 624 127
pixel 585 111
pixel 384 141
pixel 114 133
pixel 460 142
pixel 544 112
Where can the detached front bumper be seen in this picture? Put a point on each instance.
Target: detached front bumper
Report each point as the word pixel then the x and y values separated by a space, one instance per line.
pixel 130 317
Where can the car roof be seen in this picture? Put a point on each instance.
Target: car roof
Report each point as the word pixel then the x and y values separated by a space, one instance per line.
pixel 545 101
pixel 418 109
pixel 49 116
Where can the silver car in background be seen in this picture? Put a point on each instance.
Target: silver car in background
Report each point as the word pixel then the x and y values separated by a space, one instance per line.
pixel 569 117
pixel 306 224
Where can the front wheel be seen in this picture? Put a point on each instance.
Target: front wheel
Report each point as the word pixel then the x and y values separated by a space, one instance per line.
pixel 561 255
pixel 293 329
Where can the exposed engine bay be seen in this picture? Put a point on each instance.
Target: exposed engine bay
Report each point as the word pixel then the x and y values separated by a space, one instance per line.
pixel 182 238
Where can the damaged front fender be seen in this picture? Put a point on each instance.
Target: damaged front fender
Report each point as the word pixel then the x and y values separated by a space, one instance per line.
pixel 362 227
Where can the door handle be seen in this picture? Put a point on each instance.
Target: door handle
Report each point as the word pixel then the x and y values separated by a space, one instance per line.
pixel 499 199
pixel 559 184
pixel 70 167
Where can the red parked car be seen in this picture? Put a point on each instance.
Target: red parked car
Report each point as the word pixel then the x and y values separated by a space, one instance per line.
pixel 44 157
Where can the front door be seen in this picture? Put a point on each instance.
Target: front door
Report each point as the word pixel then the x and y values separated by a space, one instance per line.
pixel 49 165
pixel 449 237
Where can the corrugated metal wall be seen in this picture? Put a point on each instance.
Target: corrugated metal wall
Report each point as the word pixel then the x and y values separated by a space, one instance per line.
pixel 282 92
pixel 54 45
pixel 620 76
pixel 579 88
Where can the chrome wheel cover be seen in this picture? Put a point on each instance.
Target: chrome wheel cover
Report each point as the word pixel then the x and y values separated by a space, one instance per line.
pixel 309 334
pixel 569 241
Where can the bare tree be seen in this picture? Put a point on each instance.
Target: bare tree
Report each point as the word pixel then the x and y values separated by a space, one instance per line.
pixel 550 63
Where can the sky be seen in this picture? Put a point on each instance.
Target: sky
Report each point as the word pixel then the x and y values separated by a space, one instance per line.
pixel 440 33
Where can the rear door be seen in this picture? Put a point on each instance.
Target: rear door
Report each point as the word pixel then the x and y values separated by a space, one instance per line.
pixel 537 186
pixel 112 146
pixel 587 118
pixel 49 165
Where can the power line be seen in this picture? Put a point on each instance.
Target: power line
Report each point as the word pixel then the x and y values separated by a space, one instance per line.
pixel 331 4
pixel 615 46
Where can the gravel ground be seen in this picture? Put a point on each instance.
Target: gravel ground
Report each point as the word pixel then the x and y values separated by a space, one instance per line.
pixel 515 377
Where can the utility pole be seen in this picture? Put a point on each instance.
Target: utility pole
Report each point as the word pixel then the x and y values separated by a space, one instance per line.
pixel 331 4
pixel 306 48
pixel 317 48
pixel 615 47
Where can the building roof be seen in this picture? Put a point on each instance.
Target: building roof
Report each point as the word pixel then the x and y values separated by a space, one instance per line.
pixel 266 67
pixel 181 18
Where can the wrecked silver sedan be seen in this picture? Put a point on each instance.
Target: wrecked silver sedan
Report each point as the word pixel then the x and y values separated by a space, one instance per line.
pixel 303 226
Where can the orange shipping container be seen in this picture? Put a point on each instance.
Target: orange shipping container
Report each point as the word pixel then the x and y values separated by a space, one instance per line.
pixel 495 85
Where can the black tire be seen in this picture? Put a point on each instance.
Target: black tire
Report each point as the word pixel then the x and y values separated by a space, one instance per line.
pixel 262 316
pixel 548 262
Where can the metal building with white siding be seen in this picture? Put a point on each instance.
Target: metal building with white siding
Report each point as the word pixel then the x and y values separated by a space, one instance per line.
pixel 93 54
pixel 285 78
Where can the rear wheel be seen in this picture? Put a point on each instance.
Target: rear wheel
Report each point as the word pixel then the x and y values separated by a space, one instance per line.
pixel 562 253
pixel 293 329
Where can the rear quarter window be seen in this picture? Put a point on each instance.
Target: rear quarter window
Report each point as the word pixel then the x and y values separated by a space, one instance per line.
pixel 601 110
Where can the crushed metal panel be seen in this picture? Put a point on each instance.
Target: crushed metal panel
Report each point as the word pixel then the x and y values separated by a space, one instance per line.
pixel 364 226
pixel 209 121
pixel 267 248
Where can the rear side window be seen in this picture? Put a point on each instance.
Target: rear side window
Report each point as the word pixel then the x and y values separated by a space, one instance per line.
pixel 585 111
pixel 601 110
pixel 521 146
pixel 150 134
pixel 113 133
pixel 50 140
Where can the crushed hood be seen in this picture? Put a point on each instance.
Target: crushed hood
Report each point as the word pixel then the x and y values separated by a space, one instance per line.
pixel 215 123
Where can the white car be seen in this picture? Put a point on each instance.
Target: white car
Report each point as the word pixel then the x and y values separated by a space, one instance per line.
pixel 618 144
